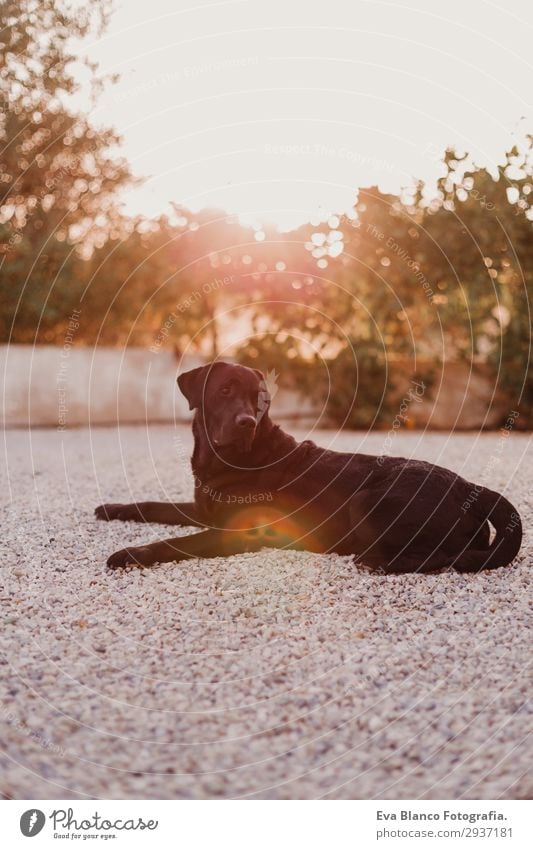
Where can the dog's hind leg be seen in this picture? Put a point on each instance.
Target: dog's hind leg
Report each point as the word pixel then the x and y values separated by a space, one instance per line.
pixel 403 564
pixel 164 513
pixel 409 561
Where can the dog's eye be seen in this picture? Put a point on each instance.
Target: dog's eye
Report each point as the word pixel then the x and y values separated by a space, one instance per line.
pixel 225 390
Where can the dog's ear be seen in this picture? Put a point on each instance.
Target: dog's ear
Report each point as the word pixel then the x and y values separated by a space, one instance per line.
pixel 192 383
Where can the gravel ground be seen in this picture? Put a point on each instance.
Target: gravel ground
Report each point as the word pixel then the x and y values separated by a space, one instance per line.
pixel 269 675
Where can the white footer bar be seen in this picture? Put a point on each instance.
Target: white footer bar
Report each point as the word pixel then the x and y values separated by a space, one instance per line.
pixel 254 824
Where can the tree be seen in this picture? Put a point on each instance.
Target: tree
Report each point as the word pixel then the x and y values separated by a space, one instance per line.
pixel 58 179
pixel 481 227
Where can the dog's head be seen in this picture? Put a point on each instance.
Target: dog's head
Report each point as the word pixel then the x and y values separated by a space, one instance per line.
pixel 232 400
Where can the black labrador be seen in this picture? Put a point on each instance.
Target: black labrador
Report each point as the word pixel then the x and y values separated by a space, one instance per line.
pixel 257 486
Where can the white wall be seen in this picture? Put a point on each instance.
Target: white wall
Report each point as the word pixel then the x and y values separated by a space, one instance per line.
pixel 52 386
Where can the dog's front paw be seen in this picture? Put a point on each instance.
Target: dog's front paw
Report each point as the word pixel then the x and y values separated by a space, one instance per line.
pixel 140 556
pixel 124 512
pixel 107 512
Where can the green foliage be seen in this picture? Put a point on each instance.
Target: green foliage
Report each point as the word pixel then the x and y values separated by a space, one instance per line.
pixel 418 278
pixel 57 178
pixel 483 228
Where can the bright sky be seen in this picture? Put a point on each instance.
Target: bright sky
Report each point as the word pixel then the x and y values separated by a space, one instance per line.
pixel 273 108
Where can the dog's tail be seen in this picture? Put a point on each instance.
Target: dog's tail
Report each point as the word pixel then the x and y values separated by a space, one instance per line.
pixel 505 546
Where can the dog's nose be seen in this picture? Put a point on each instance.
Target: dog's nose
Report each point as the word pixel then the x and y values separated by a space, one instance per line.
pixel 245 421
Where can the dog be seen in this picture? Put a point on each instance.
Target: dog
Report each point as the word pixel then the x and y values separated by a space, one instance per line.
pixel 256 486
